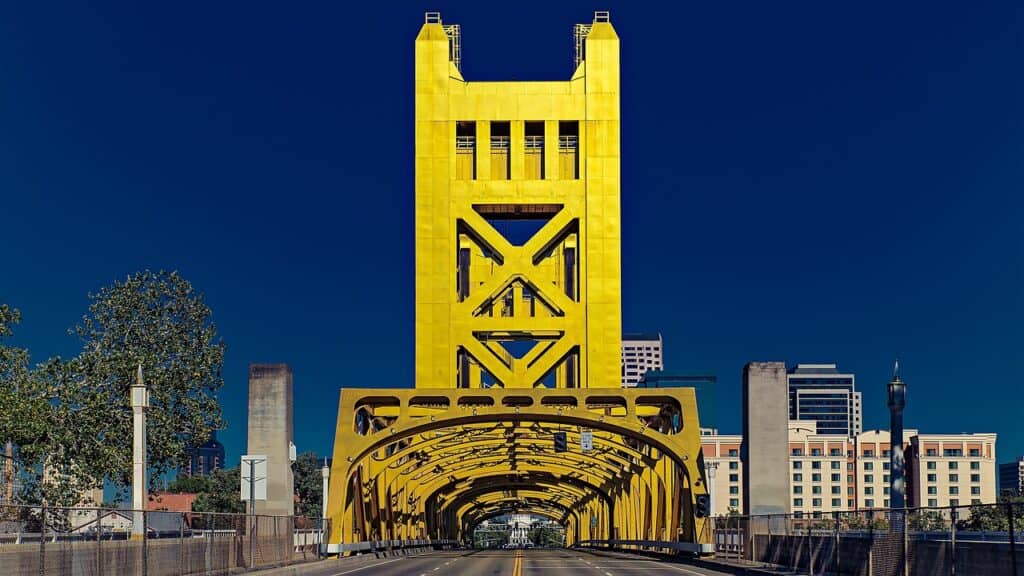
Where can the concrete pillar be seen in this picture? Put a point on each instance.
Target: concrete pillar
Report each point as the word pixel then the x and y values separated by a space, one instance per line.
pixel 270 433
pixel 765 451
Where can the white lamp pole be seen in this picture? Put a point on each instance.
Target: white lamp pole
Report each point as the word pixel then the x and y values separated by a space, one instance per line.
pixel 140 401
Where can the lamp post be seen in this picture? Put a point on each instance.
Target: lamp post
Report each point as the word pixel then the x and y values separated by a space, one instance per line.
pixel 140 401
pixel 711 468
pixel 897 401
pixel 326 473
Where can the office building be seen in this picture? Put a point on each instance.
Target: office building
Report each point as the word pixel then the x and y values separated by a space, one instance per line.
pixel 821 393
pixel 1011 477
pixel 703 383
pixel 951 469
pixel 640 353
pixel 834 473
pixel 205 458
pixel 723 469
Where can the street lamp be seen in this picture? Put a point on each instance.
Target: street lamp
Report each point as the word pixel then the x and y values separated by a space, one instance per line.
pixel 140 401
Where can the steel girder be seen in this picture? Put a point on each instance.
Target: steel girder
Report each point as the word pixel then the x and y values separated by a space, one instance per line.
pixel 436 460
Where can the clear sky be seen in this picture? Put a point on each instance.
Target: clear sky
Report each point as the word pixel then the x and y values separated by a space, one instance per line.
pixel 802 181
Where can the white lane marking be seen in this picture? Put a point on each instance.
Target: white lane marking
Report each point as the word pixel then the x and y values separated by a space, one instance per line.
pixel 687 571
pixel 365 567
pixel 607 574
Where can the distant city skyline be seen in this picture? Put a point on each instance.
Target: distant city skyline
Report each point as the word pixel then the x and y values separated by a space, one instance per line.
pixel 844 192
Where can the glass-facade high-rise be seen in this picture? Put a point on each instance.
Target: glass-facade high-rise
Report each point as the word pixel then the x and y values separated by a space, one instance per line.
pixel 821 393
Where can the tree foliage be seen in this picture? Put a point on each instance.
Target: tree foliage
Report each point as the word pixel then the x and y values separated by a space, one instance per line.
pixel 221 493
pixel 309 486
pixel 993 517
pixel 72 419
pixel 158 321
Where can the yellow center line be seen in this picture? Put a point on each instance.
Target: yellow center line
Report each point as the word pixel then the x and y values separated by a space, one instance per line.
pixel 517 566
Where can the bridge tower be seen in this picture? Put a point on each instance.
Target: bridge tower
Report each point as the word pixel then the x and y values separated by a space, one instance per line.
pixel 518 329
pixel 517 220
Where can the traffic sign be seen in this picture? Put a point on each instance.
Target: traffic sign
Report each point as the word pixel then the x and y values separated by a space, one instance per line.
pixel 586 440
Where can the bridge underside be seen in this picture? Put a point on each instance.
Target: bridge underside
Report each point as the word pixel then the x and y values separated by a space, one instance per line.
pixel 433 463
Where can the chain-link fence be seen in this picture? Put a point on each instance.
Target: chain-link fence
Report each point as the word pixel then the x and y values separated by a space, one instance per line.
pixel 974 540
pixel 42 541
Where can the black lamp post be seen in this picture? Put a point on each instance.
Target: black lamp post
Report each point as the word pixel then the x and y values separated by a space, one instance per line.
pixel 897 401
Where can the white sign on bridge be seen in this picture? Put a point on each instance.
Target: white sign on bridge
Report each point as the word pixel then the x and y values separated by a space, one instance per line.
pixel 254 477
pixel 586 440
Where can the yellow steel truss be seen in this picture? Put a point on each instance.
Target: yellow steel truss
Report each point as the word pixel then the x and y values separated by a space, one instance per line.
pixel 517 328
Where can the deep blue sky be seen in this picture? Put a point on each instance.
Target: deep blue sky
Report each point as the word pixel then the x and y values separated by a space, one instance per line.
pixel 802 181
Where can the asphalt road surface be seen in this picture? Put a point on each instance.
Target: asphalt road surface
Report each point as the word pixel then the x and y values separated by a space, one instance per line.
pixel 533 562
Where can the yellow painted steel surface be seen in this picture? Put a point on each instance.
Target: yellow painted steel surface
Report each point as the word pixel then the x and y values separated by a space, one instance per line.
pixel 518 328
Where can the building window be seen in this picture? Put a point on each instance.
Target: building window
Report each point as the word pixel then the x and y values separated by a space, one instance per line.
pixel 885 502
pixel 797 452
pixel 850 503
pixel 953 452
pixel 954 465
pixel 734 465
pixel 869 453
pixel 975 490
pixel 798 502
pixel 933 502
pixel 837 465
pixel 869 503
pixel 869 466
pixel 533 146
pixel 837 502
pixel 734 502
pixel 835 452
pixel 798 477
pixel 975 477
pixel 885 491
pixel 798 465
pixel 568 150
pixel 885 465
pixel 815 489
pixel 837 490
pixel 954 489
pixel 816 465
pixel 869 491
pixel 885 478
pixel 849 466
pixel 933 490
pixel 868 478
pixel 931 452
pixel 815 451
pixel 931 477
pixel 734 489
pixel 975 465
pixel 734 477
pixel 836 478
pixel 734 453
pixel 798 489
pixel 974 452
pixel 501 145
pixel 931 465
pixel 954 477
pixel 465 150
pixel 815 477
pixel 816 502
pixel 954 501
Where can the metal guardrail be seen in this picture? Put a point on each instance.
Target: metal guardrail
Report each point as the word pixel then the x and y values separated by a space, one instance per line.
pixel 385 545
pixel 691 547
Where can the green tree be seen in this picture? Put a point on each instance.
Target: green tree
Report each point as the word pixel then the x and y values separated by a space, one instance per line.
pixel 308 485
pixel 156 320
pixel 221 494
pixel 992 517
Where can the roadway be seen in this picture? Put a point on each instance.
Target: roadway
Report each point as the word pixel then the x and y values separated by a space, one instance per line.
pixel 533 562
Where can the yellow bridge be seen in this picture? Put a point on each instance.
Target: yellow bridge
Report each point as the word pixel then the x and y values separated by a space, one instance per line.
pixel 518 404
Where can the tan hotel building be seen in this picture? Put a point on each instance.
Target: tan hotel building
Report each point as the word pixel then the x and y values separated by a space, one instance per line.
pixel 830 473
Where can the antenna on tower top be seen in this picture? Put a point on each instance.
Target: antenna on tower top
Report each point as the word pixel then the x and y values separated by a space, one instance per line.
pixel 896 370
